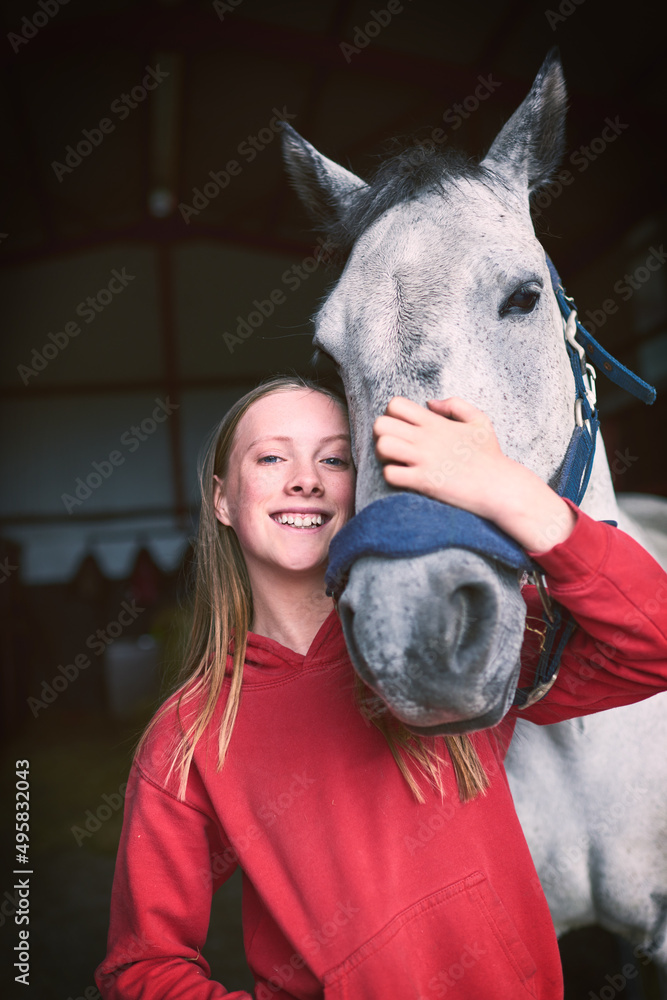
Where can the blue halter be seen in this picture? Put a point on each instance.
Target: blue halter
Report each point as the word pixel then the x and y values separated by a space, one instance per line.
pixel 435 525
pixel 575 471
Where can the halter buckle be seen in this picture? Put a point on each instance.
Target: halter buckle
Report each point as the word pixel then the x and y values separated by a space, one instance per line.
pixel 540 585
pixel 539 691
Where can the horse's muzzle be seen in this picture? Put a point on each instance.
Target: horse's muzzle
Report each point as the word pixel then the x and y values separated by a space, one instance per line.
pixel 436 636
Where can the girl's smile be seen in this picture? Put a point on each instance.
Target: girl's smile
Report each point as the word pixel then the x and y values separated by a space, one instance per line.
pixel 311 518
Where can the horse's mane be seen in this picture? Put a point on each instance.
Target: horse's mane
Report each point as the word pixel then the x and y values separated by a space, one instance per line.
pixel 405 175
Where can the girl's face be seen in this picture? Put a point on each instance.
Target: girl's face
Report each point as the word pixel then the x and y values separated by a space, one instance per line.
pixel 290 481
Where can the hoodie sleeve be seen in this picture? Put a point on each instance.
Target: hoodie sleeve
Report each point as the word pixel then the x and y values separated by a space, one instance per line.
pixel 171 857
pixel 617 594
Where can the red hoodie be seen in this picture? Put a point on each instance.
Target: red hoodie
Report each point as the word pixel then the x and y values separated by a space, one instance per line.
pixel 352 890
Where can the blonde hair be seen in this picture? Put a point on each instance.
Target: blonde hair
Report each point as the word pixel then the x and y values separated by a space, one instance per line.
pixel 223 610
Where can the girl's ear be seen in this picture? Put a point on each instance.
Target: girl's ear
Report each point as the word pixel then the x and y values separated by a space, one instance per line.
pixel 219 502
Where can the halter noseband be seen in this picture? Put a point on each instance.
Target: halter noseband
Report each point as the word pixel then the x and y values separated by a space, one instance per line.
pixel 435 525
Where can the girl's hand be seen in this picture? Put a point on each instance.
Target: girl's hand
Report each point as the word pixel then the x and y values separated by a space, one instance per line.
pixel 458 460
pixel 452 459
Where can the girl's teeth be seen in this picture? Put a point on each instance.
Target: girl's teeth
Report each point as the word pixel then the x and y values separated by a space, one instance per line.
pixel 305 521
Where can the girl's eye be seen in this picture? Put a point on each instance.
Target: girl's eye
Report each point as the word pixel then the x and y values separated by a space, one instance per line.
pixel 335 461
pixel 520 302
pixel 270 459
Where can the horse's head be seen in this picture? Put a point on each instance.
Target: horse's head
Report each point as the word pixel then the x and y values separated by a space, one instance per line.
pixel 446 291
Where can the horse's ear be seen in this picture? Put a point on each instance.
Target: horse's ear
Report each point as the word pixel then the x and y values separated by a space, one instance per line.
pixel 323 186
pixel 530 145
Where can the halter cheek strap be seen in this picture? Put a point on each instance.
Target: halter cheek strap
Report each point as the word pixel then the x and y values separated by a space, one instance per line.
pixel 608 365
pixel 573 476
pixel 406 524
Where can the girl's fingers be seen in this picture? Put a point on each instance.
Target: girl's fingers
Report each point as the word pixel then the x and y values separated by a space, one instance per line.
pixel 401 476
pixel 394 449
pixel 405 409
pixel 456 409
pixel 393 427
pixel 412 413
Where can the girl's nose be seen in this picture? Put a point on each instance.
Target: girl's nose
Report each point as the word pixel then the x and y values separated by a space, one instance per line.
pixel 305 480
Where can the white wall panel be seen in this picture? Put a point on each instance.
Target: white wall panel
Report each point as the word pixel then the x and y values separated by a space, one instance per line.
pixel 47 444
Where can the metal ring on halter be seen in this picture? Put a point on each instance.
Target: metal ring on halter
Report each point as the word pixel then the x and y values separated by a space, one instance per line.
pixel 579 417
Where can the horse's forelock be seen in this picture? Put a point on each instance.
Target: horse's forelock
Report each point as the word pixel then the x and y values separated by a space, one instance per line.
pixel 404 176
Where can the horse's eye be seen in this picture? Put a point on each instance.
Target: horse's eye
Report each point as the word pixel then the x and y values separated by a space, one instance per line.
pixel 520 302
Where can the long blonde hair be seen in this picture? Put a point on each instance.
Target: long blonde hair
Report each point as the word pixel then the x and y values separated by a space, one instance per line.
pixel 223 610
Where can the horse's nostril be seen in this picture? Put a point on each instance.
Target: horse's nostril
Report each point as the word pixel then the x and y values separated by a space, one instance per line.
pixel 454 633
pixel 472 604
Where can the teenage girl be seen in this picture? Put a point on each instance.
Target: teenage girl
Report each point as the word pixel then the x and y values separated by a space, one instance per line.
pixel 377 865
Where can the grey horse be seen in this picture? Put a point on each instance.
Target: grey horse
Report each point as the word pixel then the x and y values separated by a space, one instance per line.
pixel 433 249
